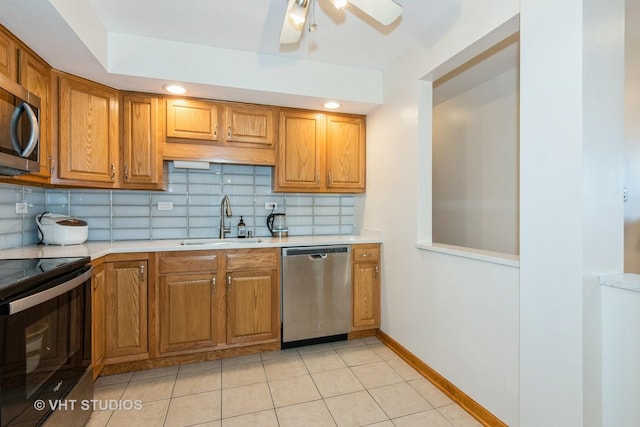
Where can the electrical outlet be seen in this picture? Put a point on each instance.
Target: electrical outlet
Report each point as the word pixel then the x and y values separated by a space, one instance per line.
pixel 270 205
pixel 165 206
pixel 22 208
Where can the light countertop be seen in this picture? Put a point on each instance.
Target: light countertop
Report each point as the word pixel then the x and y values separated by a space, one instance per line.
pixel 98 249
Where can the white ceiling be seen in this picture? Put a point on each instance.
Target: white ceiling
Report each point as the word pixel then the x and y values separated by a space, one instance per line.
pixel 91 38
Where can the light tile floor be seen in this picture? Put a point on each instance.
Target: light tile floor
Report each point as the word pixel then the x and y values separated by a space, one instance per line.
pixel 348 383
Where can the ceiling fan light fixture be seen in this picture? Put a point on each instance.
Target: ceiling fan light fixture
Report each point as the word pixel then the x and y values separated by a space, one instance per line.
pixel 298 12
pixel 339 4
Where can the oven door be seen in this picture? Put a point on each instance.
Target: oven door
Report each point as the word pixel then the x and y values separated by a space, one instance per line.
pixel 42 356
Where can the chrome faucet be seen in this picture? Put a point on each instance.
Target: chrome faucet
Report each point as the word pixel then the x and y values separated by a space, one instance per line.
pixel 224 230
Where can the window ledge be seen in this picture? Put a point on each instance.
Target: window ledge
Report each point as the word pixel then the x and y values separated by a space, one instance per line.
pixel 478 254
pixel 628 281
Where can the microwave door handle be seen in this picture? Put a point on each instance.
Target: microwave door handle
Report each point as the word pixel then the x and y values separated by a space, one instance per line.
pixel 35 131
pixel 32 300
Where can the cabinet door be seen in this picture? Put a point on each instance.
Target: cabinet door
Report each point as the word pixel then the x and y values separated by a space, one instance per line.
pixel 302 139
pixel 192 120
pixel 127 310
pixel 345 153
pixel 35 76
pixel 252 306
pixel 253 124
pixel 98 337
pixel 142 164
pixel 187 313
pixel 88 132
pixel 7 56
pixel 366 296
pixel 366 286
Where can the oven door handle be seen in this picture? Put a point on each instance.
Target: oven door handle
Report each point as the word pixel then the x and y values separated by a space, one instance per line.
pixel 32 300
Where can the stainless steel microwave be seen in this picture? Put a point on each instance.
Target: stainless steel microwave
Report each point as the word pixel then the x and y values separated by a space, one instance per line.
pixel 19 129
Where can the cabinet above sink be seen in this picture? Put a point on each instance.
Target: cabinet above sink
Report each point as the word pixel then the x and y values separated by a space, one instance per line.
pixel 222 132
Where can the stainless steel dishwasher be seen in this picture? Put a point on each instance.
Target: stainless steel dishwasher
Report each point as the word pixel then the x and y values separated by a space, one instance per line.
pixel 316 294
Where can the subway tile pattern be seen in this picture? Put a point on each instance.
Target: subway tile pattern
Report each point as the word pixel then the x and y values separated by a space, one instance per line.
pixel 115 215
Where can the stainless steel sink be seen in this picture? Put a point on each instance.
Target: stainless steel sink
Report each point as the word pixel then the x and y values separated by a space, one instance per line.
pixel 219 242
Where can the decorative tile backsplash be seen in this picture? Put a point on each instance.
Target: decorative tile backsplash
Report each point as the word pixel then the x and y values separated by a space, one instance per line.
pixel 195 196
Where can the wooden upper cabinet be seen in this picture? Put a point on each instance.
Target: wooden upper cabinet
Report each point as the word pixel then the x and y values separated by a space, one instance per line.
pixel 219 132
pixel 320 153
pixel 8 56
pixel 141 157
pixel 250 124
pixel 192 120
pixel 300 150
pixel 35 76
pixel 88 133
pixel 345 153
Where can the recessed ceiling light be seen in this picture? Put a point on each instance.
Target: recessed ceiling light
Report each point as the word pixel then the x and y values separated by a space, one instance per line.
pixel 331 105
pixel 175 89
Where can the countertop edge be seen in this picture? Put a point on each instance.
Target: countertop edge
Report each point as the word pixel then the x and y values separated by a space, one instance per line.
pixel 99 249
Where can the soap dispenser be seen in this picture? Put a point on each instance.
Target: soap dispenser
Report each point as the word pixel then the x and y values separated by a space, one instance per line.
pixel 242 229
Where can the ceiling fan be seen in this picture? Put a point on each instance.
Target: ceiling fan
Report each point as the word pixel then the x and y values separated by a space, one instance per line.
pixel 383 11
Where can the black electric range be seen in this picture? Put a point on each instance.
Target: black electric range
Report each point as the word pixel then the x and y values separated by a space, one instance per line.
pixel 19 276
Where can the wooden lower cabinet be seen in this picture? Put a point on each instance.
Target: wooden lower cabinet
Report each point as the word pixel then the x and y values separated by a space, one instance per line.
pixel 187 312
pixel 366 286
pixel 98 319
pixel 198 311
pixel 252 306
pixel 126 310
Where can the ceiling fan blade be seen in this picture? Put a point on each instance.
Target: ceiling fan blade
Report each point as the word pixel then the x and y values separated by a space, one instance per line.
pixel 294 20
pixel 383 11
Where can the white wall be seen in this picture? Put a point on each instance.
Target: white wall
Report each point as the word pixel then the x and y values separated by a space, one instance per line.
pixel 632 138
pixel 571 211
pixel 475 167
pixel 460 316
pixel 524 344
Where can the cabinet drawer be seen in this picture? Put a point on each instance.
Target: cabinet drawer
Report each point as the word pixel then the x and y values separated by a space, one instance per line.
pixel 363 253
pixel 188 262
pixel 244 259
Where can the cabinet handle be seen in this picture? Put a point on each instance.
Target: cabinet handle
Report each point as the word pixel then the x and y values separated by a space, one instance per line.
pixel 365 255
pixel 215 131
pixel 213 284
pixel 141 272
pixel 113 172
pixel 52 165
pixel 126 172
pixel 330 179
pixel 317 177
pixel 377 271
pixel 229 283
pixel 228 132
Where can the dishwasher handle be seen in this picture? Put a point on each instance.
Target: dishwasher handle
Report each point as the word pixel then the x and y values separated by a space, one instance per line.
pixel 315 252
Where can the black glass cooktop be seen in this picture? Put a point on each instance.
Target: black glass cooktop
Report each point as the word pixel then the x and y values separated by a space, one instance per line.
pixel 21 275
